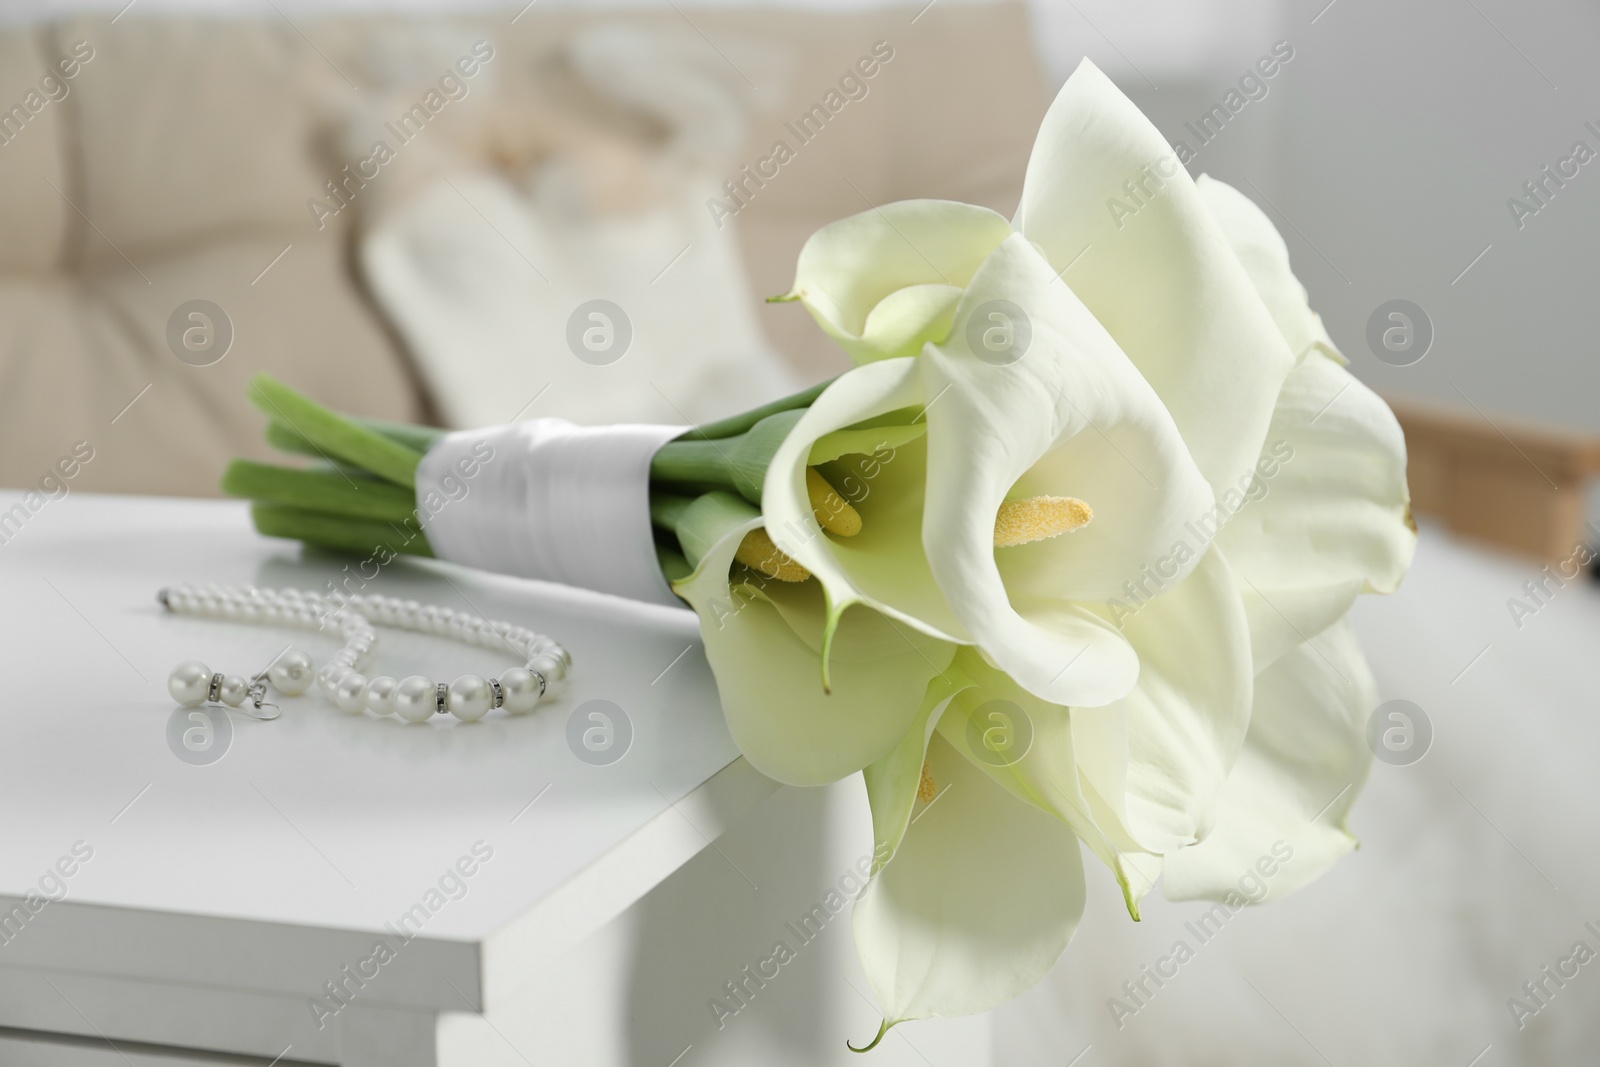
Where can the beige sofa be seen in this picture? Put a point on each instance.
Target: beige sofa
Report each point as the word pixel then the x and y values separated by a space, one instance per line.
pixel 175 164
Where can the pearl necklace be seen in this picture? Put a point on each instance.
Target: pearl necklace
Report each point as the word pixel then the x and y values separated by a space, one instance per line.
pixel 415 698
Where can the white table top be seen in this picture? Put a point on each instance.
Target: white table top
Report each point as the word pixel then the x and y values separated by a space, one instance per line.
pixel 318 824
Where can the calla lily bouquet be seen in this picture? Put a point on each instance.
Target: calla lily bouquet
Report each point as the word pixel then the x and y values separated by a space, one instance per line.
pixel 1064 560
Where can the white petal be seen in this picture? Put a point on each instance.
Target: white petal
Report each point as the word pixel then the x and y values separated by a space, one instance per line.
pixel 1335 519
pixel 1164 280
pixel 1070 417
pixel 1159 757
pixel 884 565
pixel 883 282
pixel 893 780
pixel 763 643
pixel 976 906
pixel 1303 764
pixel 1265 258
pixel 1026 745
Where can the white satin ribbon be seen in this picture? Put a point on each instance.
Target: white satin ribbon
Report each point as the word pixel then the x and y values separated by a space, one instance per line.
pixel 551 500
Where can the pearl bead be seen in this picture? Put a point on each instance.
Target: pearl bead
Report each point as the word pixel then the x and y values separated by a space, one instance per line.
pixel 329 677
pixel 380 695
pixel 233 690
pixel 351 694
pixel 190 683
pixel 415 699
pixel 468 698
pixel 553 669
pixel 521 690
pixel 291 673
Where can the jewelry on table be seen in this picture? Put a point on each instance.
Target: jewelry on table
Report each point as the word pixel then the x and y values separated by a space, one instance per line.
pixel 415 698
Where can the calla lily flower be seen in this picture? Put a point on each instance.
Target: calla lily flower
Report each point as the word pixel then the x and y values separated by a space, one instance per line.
pixel 1168 765
pixel 1336 523
pixel 764 638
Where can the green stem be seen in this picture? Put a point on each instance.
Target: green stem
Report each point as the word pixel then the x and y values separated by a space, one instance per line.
pixel 666 509
pixel 337 506
pixel 883 1028
pixel 334 436
pixel 738 463
pixel 674 565
pixel 286 438
pixel 366 536
pixel 738 424
pixel 708 519
pixel 320 490
pixel 413 436
pixel 705 464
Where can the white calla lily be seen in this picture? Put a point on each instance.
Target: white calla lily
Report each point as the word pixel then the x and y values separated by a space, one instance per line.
pixel 1303 764
pixel 1156 269
pixel 764 642
pixel 1160 756
pixel 1265 258
pixel 1136 349
pixel 1028 746
pixel 1070 417
pixel 1336 519
pixel 980 900
pixel 885 281
pixel 884 565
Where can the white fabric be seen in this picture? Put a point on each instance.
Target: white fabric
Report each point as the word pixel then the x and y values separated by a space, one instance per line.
pixel 480 269
pixel 554 501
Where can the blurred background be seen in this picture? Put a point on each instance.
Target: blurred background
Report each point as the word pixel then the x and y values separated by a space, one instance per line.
pixel 224 152
pixel 464 214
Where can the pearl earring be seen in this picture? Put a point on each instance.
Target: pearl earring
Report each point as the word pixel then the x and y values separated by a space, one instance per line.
pixel 192 683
